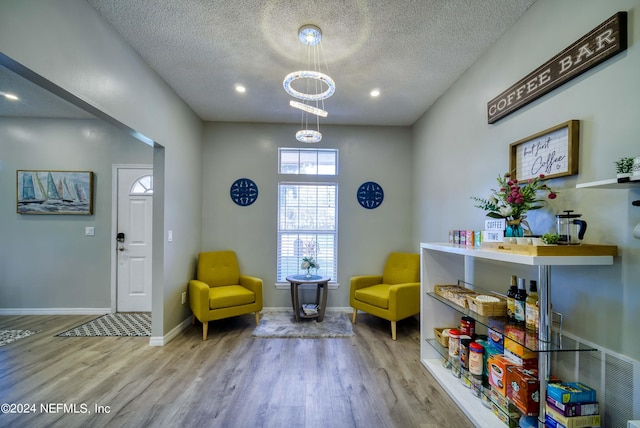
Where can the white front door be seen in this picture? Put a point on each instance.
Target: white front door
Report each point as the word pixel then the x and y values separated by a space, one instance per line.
pixel 133 246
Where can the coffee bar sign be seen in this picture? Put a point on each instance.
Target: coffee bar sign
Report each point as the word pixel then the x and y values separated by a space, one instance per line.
pixel 603 42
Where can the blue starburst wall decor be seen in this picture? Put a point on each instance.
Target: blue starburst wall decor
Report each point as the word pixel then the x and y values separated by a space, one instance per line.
pixel 370 195
pixel 244 192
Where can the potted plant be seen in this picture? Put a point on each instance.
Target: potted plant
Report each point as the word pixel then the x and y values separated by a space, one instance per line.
pixel 513 199
pixel 624 169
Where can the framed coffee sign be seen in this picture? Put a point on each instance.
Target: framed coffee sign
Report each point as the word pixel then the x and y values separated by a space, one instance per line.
pixel 552 152
pixel 603 42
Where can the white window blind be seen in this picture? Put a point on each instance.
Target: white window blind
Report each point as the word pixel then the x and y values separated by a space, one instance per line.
pixel 307 222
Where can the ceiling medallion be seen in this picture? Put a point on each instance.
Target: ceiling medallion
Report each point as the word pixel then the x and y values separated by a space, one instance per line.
pixel 319 86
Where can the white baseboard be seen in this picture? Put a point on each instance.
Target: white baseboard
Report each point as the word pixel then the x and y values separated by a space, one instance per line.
pixel 54 311
pixel 163 340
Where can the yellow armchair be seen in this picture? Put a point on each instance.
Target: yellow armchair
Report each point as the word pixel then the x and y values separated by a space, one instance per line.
pixel 394 295
pixel 220 291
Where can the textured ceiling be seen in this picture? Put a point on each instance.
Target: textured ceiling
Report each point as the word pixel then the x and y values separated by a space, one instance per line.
pixel 411 50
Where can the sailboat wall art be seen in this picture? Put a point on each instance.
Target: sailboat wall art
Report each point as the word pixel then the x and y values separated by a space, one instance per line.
pixel 54 192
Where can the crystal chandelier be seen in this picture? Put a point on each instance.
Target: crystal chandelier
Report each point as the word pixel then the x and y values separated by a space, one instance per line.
pixel 317 86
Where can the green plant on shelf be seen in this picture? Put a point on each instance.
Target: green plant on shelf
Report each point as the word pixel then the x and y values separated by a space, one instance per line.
pixel 624 165
pixel 550 238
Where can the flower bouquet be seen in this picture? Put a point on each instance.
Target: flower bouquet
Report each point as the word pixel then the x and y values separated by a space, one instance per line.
pixel 309 263
pixel 513 200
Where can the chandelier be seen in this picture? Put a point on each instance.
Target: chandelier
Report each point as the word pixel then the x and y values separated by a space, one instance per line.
pixel 318 86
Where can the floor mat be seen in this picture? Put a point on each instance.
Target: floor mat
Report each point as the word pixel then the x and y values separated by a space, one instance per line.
pixel 119 324
pixel 8 336
pixel 283 324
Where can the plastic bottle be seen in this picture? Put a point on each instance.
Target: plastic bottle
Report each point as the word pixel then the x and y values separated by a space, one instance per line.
pixel 454 351
pixel 476 351
pixel 464 360
pixel 532 307
pixel 511 294
pixel 520 303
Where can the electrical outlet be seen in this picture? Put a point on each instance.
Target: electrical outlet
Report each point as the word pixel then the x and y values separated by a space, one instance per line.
pixel 184 297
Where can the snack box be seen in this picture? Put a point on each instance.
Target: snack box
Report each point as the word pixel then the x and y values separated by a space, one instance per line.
pixel 574 409
pixel 515 337
pixel 554 419
pixel 495 332
pixel 523 389
pixel 529 363
pixel 571 392
pixel 504 409
pixel 488 351
pixel 509 419
pixel 498 365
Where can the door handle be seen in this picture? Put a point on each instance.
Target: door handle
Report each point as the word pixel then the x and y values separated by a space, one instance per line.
pixel 121 248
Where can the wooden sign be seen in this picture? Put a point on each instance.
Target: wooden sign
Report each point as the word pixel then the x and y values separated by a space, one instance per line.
pixel 603 42
pixel 552 152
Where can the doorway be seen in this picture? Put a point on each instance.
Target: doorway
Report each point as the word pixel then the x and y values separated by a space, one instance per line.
pixel 133 212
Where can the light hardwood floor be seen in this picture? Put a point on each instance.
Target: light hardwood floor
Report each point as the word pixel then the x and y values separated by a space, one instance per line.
pixel 231 380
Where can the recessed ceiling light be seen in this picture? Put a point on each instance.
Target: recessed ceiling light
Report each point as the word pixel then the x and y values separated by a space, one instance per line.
pixel 241 89
pixel 375 92
pixel 10 96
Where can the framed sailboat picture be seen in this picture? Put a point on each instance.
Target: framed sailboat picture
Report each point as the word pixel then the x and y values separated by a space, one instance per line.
pixel 54 192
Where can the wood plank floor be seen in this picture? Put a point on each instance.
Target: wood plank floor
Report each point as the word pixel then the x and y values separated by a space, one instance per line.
pixel 231 380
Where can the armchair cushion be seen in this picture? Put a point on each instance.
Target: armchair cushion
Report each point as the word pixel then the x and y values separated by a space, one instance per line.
pixel 218 268
pixel 376 295
pixel 401 269
pixel 230 295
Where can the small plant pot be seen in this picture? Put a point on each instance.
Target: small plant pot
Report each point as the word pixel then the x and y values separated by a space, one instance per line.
pixel 623 177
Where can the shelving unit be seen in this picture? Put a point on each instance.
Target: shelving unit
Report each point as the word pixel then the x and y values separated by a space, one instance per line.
pixel 443 263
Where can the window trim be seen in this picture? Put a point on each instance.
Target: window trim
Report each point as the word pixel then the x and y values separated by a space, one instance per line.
pixel 333 281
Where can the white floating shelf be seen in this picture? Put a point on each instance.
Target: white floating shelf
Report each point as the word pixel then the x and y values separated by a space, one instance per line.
pixel 611 183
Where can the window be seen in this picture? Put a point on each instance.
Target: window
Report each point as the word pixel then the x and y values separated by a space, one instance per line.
pixel 307 212
pixel 142 186
pixel 308 161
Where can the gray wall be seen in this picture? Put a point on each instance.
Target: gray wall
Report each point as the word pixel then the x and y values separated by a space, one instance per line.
pixel 600 304
pixel 46 261
pixel 68 43
pixel 380 154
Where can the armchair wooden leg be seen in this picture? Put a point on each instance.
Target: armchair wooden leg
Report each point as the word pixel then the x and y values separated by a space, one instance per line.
pixel 205 329
pixel 393 330
pixel 257 318
pixel 193 320
pixel 353 317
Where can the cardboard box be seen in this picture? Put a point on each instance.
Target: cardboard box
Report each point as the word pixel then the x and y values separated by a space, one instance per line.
pixel 495 333
pixel 504 409
pixel 518 350
pixel 554 419
pixel 523 389
pixel 527 363
pixel 497 367
pixel 514 340
pixel 574 409
pixel 571 392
